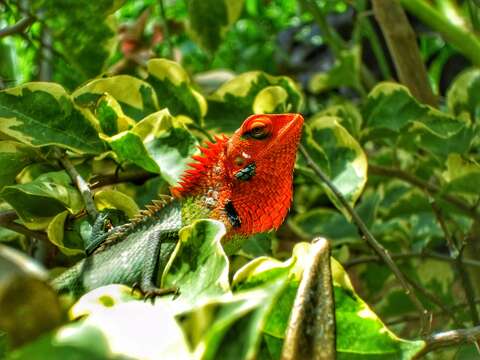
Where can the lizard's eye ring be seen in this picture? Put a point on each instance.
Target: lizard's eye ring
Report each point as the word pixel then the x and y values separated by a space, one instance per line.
pixel 259 129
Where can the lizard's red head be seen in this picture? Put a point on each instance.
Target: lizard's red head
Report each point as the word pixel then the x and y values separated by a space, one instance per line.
pixel 247 179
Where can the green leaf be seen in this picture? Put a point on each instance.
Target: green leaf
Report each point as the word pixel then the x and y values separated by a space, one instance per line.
pixel 345 72
pixel 235 100
pixel 462 175
pixel 347 163
pixel 136 97
pixel 84 53
pixel 234 329
pixel 110 116
pixel 361 332
pixel 14 156
pixel 129 147
pixel 209 20
pixel 132 329
pixel 10 235
pixel 40 114
pixel 325 222
pixel 113 199
pixel 174 90
pixel 56 232
pixel 463 95
pixel 168 142
pixel 350 117
pixel 44 197
pixel 392 113
pixel 198 266
pixel 271 99
pixel 159 143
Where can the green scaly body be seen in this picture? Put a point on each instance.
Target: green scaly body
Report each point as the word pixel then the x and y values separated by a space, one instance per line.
pixel 132 254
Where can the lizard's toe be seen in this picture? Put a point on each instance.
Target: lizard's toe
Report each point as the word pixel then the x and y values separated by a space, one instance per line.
pixel 152 293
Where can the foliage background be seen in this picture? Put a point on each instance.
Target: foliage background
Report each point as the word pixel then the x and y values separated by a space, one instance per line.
pixel 407 163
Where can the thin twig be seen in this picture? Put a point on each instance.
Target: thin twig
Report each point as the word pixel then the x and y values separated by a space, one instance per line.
pixel 81 185
pixel 166 30
pixel 17 28
pixel 376 246
pixel 468 288
pixel 457 255
pixel 425 186
pixel 7 220
pixel 450 338
pixel 415 317
pixel 409 255
pixel 434 300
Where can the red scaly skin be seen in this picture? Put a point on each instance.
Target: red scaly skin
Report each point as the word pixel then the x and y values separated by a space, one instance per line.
pixel 247 201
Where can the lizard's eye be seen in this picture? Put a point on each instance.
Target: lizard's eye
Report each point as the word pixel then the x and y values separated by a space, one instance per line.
pixel 259 129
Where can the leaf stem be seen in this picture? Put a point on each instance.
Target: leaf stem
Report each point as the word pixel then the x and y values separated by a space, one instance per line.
pixel 463 40
pixel 367 30
pixel 369 238
pixel 166 30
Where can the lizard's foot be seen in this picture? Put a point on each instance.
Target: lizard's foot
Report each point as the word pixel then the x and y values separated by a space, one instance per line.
pixel 151 292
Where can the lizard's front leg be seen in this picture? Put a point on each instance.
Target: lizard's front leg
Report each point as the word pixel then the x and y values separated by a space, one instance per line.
pixel 158 249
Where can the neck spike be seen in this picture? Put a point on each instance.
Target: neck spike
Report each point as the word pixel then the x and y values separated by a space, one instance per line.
pixel 192 180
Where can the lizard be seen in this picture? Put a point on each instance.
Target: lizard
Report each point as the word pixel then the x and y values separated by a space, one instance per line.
pixel 244 181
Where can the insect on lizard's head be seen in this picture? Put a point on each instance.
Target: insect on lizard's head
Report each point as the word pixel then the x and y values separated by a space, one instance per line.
pixel 260 157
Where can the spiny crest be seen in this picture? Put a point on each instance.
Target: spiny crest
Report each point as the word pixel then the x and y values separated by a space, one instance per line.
pixel 203 162
pixel 120 232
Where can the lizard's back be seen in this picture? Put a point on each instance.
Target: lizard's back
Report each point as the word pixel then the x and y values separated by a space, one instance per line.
pixel 130 256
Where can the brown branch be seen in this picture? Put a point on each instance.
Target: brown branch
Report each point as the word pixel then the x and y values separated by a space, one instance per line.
pixel 311 327
pixel 450 338
pixel 7 220
pixel 111 179
pixel 425 186
pixel 17 28
pixel 402 43
pixel 369 238
pixel 457 255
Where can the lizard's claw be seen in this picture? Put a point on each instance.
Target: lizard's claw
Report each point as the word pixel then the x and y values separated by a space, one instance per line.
pixel 136 287
pixel 152 292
